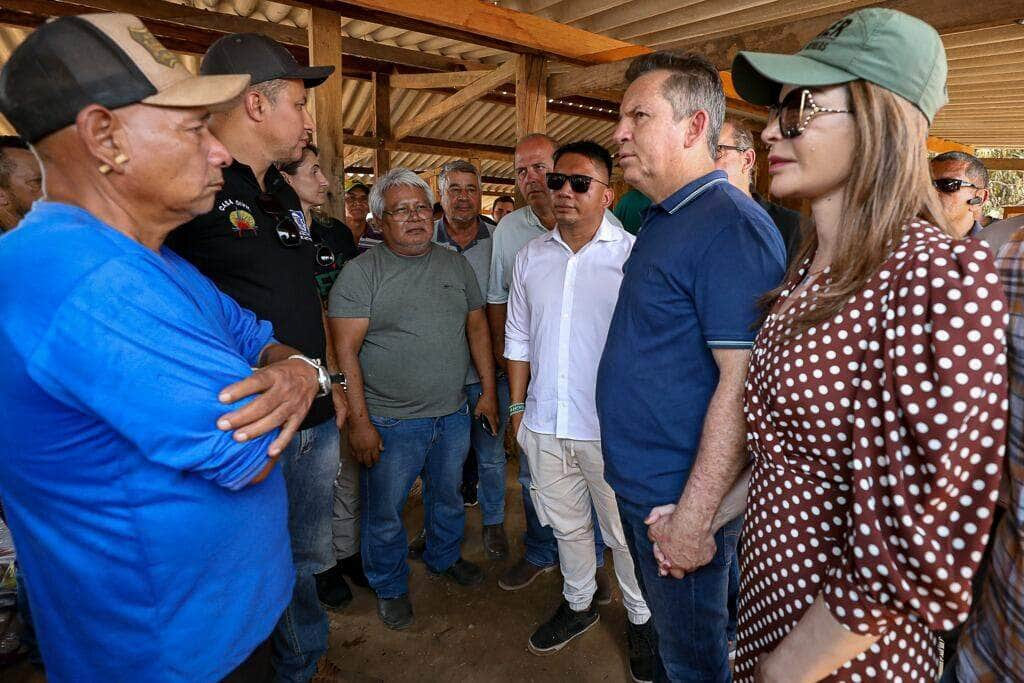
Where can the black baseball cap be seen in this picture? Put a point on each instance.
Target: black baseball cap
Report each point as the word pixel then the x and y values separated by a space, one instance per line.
pixel 109 59
pixel 263 58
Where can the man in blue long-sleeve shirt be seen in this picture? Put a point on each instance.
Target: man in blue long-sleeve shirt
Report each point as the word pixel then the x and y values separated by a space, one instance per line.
pixel 119 366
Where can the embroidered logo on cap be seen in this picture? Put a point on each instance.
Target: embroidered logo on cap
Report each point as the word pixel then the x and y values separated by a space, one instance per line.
pixel 142 36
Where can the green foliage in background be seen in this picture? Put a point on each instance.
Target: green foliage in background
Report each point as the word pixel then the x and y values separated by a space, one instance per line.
pixel 1007 187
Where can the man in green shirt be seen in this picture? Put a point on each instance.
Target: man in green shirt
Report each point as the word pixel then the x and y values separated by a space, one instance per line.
pixel 406 317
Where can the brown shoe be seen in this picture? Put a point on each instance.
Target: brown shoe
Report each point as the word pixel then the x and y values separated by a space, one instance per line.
pixel 604 587
pixel 495 543
pixel 327 672
pixel 521 575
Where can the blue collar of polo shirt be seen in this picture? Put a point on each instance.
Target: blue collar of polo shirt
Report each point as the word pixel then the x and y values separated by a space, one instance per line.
pixel 689 192
pixel 441 234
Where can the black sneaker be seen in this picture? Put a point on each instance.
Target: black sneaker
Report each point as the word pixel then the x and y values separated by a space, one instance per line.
pixel 643 651
pixel 463 572
pixel 396 613
pixel 352 567
pixel 332 589
pixel 556 633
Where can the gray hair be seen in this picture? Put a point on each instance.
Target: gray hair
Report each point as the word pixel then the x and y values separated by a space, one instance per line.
pixel 458 166
pixel 270 89
pixel 693 84
pixel 396 177
pixel 742 137
pixel 976 169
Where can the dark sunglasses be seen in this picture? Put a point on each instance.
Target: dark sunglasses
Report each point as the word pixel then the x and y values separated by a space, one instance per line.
pixel 288 232
pixel 951 185
pixel 796 111
pixel 578 183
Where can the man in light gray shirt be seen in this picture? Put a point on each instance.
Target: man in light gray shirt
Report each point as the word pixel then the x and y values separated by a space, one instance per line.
pixel 406 317
pixel 462 230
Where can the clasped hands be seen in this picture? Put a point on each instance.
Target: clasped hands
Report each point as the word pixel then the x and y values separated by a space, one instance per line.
pixel 679 546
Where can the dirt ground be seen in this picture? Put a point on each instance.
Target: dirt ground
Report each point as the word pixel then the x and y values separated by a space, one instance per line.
pixel 466 634
pixel 476 634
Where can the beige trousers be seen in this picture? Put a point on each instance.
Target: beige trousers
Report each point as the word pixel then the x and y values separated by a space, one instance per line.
pixel 567 476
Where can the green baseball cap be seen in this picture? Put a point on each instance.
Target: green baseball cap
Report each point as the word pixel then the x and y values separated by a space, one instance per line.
pixel 891 49
pixel 353 183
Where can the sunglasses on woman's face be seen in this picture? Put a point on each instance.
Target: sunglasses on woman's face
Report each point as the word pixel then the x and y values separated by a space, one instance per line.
pixel 796 111
pixel 951 185
pixel 580 184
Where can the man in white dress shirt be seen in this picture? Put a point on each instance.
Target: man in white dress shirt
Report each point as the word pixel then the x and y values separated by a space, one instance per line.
pixel 554 336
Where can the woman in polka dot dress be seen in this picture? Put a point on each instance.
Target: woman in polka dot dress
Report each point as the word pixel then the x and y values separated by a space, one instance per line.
pixel 876 395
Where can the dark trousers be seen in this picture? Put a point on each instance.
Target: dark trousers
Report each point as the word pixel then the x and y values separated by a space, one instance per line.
pixel 691 614
pixel 257 668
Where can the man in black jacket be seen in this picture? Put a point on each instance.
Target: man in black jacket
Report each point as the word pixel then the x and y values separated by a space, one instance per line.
pixel 736 156
pixel 257 247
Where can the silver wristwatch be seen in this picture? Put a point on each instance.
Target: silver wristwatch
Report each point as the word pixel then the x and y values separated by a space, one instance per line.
pixel 323 377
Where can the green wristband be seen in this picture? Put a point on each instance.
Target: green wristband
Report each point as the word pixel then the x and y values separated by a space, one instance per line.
pixel 516 408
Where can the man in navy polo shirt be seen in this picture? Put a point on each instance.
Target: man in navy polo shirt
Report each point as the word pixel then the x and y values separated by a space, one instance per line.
pixel 670 383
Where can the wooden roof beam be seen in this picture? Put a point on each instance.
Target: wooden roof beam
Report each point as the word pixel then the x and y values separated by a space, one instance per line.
pixel 610 81
pixel 419 145
pixel 445 79
pixel 485 24
pixel 940 145
pixel 472 92
pixel 219 23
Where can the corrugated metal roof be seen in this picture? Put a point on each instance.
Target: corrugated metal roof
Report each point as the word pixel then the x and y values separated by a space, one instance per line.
pixel 986 80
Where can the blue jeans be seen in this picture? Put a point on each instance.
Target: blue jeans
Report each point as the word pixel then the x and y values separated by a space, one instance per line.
pixel 690 614
pixel 490 454
pixel 541 546
pixel 435 447
pixel 28 632
pixel 310 465
pixel 734 593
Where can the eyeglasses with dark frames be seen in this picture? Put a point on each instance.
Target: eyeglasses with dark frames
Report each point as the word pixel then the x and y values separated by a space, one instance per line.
pixel 796 111
pixel 405 214
pixel 720 150
pixel 579 183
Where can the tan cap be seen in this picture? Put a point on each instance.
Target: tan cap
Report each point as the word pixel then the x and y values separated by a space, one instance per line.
pixel 176 86
pixel 107 59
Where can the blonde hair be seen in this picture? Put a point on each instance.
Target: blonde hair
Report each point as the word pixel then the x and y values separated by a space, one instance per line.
pixel 889 185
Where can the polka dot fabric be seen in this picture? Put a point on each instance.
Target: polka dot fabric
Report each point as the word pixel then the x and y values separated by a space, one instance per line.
pixel 877 439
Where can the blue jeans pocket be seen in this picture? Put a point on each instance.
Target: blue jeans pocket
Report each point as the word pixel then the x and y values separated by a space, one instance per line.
pixel 383 422
pixel 464 410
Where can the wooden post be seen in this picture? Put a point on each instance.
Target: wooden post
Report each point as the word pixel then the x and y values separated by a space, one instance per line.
pixel 531 96
pixel 325 49
pixel 431 178
pixel 381 124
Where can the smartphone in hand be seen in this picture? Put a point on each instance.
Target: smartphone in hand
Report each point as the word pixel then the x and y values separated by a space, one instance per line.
pixel 485 424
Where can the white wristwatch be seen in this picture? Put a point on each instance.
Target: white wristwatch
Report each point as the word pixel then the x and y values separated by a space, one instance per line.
pixel 323 377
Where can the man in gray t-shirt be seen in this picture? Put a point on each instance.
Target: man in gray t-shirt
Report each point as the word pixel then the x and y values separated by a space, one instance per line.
pixel 406 318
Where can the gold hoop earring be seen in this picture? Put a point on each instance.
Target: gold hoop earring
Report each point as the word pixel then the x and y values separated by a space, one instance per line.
pixel 120 159
pixel 105 169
